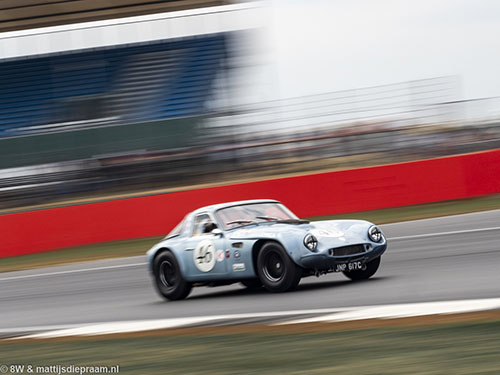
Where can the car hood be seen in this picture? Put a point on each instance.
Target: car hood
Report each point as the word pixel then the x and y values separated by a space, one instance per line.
pixel 329 231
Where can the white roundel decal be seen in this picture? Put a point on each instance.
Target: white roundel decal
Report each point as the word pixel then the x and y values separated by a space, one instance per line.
pixel 204 256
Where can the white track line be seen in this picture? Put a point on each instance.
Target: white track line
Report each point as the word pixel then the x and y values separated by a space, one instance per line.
pixel 404 310
pixel 119 327
pixel 325 315
pixel 73 271
pixel 156 324
pixel 144 263
pixel 443 233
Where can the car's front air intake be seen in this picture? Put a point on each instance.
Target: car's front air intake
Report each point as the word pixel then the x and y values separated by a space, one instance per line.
pixel 347 250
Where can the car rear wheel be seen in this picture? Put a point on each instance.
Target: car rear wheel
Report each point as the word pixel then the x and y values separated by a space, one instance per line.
pixel 276 271
pixel 369 271
pixel 168 277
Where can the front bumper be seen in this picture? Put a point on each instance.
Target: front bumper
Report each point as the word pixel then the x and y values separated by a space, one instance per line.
pixel 323 261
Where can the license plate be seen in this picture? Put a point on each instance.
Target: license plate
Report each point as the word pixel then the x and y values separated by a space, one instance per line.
pixel 351 266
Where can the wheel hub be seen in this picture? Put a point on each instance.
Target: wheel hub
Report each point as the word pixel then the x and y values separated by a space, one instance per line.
pixel 273 269
pixel 167 274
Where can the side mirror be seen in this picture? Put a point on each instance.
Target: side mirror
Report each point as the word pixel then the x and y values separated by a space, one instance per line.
pixel 217 232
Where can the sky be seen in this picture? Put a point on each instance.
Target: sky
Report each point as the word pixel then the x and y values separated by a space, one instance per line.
pixel 316 46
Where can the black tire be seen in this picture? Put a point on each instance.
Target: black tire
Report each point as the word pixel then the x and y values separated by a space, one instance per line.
pixel 276 271
pixel 252 284
pixel 168 278
pixel 371 268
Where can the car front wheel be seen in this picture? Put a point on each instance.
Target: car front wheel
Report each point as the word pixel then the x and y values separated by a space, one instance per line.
pixel 276 271
pixel 168 277
pixel 369 271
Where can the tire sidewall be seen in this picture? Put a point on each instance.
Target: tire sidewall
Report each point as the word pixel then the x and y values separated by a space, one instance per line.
pixel 371 269
pixel 180 288
pixel 291 274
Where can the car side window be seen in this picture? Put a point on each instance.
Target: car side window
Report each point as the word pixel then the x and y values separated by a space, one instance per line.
pixel 203 224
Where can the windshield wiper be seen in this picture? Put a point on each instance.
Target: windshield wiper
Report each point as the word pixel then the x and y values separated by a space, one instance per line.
pixel 293 221
pixel 283 221
pixel 268 218
pixel 242 221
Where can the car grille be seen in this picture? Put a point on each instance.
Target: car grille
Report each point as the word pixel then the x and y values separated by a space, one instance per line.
pixel 347 250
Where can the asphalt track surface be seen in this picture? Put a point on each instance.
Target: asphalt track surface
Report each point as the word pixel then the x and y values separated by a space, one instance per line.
pixel 449 258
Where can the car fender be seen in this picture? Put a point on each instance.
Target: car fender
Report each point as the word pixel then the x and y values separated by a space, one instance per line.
pixel 172 245
pixel 290 238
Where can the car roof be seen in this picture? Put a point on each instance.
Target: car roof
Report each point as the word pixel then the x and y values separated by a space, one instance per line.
pixel 215 207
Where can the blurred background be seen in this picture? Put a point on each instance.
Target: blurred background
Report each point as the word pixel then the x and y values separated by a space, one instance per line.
pixel 122 98
pixel 107 99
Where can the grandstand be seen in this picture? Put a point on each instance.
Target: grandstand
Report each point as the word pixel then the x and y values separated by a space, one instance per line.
pixel 112 86
pixel 145 82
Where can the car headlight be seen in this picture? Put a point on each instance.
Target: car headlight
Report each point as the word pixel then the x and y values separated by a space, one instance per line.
pixel 310 242
pixel 375 234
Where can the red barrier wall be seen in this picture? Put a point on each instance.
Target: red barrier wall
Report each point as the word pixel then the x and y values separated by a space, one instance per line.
pixel 310 195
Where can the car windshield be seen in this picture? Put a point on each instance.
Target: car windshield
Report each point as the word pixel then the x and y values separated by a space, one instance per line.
pixel 177 230
pixel 236 216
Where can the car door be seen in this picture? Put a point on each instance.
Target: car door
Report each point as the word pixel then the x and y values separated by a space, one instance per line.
pixel 205 251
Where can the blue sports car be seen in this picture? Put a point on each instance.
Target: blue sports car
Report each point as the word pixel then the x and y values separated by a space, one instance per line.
pixel 260 243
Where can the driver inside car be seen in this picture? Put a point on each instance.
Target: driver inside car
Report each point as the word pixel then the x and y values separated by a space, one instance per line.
pixel 208 226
